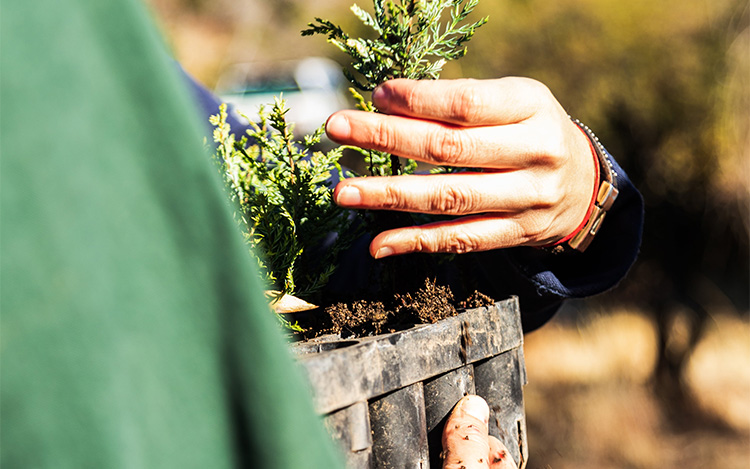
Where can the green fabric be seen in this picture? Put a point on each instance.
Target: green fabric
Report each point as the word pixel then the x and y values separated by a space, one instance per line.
pixel 134 333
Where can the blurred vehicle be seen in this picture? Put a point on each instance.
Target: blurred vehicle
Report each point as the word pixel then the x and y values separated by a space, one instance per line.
pixel 313 89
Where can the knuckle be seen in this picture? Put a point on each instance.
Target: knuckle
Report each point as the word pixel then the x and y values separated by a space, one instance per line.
pixel 449 199
pixel 462 243
pixel 382 136
pixel 552 150
pixel 535 227
pixel 424 242
pixel 535 93
pixel 546 196
pixel 556 149
pixel 473 430
pixel 466 104
pixel 538 192
pixel 461 429
pixel 448 146
pixel 542 90
pixel 411 98
pixel 535 88
pixel 546 156
pixel 392 197
pixel 456 243
pixel 517 235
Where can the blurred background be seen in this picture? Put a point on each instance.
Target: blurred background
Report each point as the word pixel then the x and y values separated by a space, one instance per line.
pixel 655 374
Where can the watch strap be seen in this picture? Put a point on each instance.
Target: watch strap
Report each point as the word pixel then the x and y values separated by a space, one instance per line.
pixel 605 197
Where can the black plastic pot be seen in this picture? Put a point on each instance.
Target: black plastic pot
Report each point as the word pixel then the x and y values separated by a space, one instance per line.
pixel 385 398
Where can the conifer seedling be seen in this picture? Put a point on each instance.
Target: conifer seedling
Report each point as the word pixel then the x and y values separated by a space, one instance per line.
pixel 411 40
pixel 281 187
pixel 283 199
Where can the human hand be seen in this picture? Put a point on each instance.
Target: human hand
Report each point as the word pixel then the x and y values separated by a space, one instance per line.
pixel 466 443
pixel 535 170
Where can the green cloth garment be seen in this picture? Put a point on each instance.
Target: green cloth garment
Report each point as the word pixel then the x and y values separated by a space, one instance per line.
pixel 134 330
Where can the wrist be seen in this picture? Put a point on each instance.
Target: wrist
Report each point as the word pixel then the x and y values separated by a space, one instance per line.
pixel 605 193
pixel 592 199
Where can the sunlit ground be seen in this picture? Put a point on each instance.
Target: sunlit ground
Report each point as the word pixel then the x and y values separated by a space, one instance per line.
pixel 590 403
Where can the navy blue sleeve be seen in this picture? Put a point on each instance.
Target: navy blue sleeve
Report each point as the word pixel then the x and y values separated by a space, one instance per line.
pixel 556 277
pixel 208 104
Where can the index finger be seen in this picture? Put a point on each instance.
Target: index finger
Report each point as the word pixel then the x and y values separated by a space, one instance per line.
pixel 464 102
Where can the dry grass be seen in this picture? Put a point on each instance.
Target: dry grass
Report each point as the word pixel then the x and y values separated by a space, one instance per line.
pixel 590 403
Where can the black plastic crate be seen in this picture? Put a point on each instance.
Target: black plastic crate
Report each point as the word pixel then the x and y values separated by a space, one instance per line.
pixel 385 398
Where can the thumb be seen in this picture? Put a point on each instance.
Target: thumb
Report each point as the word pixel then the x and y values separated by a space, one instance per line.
pixel 465 438
pixel 466 443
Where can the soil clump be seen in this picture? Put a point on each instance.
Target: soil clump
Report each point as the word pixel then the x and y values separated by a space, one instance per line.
pixel 362 318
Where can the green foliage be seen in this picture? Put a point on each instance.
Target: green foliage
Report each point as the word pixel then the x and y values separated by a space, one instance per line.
pixel 283 197
pixel 281 186
pixel 411 42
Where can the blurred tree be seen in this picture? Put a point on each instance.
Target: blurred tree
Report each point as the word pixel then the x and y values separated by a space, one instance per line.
pixel 665 85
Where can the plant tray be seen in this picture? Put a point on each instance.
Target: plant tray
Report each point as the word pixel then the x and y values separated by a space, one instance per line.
pixel 385 398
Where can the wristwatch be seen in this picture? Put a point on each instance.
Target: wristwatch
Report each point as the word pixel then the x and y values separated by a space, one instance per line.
pixel 605 196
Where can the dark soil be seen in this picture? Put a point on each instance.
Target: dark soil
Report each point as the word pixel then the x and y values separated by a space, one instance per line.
pixel 404 295
pixel 476 300
pixel 429 304
pixel 361 318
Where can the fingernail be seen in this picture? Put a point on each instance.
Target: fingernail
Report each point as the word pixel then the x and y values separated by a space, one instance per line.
pixel 385 251
pixel 380 98
pixel 349 195
pixel 338 127
pixel 476 407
